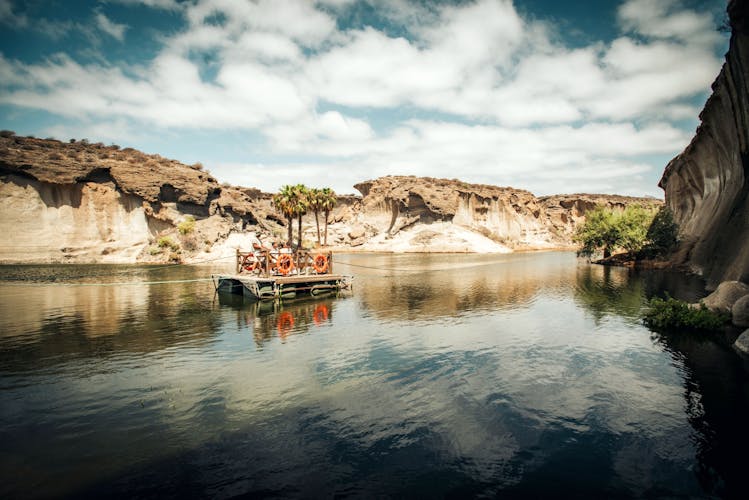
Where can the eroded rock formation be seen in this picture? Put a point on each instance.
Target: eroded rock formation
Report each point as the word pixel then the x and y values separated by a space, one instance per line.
pixel 79 202
pixel 423 209
pixel 707 184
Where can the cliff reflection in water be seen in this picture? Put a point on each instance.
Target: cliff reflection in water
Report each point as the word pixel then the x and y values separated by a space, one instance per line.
pixel 46 319
pixel 716 404
pixel 426 287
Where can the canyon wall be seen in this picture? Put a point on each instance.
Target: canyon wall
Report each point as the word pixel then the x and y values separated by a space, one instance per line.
pixel 78 203
pixel 706 185
pixel 406 213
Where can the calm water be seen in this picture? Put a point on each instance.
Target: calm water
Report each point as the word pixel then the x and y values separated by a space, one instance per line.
pixel 519 375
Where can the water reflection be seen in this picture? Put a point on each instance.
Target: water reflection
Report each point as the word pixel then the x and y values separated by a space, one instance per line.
pixel 606 290
pixel 522 375
pixel 52 324
pixel 426 287
pixel 271 319
pixel 716 404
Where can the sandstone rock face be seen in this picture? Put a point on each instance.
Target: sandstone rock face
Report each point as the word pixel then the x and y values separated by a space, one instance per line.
pixel 80 202
pixel 505 218
pixel 72 222
pixel 726 295
pixel 740 312
pixel 707 184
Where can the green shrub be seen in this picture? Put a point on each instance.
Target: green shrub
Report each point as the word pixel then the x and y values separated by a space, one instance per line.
pixel 670 314
pixel 167 242
pixel 609 229
pixel 187 226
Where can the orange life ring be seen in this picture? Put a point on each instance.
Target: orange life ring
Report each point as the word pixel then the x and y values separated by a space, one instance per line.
pixel 320 263
pixel 321 314
pixel 284 264
pixel 285 324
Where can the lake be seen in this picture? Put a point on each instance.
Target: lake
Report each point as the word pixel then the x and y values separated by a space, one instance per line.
pixel 520 375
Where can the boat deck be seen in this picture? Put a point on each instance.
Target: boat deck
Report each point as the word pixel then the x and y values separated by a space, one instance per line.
pixel 280 287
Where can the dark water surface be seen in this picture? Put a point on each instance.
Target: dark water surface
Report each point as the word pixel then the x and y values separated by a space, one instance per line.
pixel 521 375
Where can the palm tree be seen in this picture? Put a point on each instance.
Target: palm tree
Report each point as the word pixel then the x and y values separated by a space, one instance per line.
pixel 284 201
pixel 300 206
pixel 328 200
pixel 314 199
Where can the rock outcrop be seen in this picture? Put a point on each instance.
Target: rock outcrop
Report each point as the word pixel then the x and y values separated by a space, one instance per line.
pixel 402 212
pixel 79 202
pixel 707 184
pixel 726 295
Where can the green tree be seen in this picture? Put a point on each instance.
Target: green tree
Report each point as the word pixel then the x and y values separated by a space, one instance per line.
pixel 598 232
pixel 285 202
pixel 609 229
pixel 632 225
pixel 315 201
pixel 328 200
pixel 300 207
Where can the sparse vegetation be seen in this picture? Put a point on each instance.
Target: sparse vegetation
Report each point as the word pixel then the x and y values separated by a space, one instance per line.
pixel 187 226
pixel 670 314
pixel 189 243
pixel 167 242
pixel 7 133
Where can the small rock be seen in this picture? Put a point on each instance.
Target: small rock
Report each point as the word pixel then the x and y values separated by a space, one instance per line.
pixel 740 312
pixel 356 232
pixel 742 343
pixel 726 295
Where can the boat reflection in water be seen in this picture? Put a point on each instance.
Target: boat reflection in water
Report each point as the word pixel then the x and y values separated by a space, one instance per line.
pixel 271 319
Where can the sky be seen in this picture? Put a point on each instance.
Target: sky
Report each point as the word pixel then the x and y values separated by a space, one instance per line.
pixel 554 97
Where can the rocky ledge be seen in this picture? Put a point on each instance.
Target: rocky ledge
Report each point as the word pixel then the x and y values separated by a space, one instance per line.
pixel 80 202
pixel 406 213
pixel 706 185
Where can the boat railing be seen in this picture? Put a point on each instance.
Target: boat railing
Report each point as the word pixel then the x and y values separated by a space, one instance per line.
pixel 283 262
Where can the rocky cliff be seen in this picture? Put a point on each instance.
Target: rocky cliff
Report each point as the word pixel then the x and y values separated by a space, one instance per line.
pixel 406 213
pixel 79 202
pixel 707 184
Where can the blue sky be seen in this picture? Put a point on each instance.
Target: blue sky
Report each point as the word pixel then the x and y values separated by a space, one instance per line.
pixel 553 97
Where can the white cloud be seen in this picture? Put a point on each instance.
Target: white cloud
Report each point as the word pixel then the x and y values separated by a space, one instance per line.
pixel 664 19
pixel 498 98
pixel 115 30
pixel 158 4
pixel 9 18
pixel 296 19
